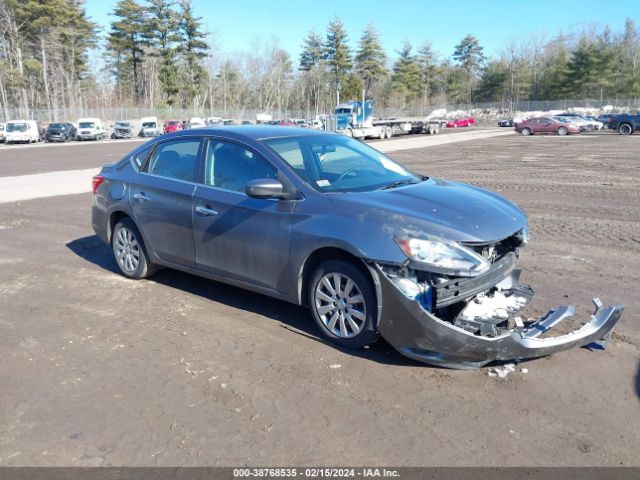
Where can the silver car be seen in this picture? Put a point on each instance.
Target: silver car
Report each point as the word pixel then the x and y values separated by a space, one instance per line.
pixel 325 221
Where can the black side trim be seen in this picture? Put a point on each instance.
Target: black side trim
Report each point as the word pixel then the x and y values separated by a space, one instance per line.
pixel 459 289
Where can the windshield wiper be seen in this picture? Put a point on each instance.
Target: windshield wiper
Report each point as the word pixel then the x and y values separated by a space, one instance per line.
pixel 398 183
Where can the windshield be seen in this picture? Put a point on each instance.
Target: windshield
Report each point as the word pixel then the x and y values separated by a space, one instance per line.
pixel 16 127
pixel 122 124
pixel 149 125
pixel 341 111
pixel 87 124
pixel 333 163
pixel 58 126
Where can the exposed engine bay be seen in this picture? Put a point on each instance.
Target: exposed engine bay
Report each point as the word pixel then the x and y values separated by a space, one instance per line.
pixel 486 305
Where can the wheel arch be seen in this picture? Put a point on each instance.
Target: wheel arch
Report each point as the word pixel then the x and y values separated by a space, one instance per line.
pixel 119 214
pixel 317 256
pixel 628 124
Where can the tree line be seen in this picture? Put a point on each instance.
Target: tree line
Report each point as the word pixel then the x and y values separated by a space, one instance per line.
pixel 156 54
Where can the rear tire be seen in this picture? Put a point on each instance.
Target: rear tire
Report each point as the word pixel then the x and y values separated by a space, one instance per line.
pixel 129 251
pixel 343 304
pixel 625 129
pixel 525 131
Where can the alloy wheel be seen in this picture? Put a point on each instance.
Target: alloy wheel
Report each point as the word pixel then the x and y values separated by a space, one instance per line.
pixel 340 305
pixel 127 250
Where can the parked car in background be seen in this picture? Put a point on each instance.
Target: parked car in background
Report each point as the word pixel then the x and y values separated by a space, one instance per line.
pixel 122 129
pixel 2 132
pixel 196 122
pixel 172 126
pixel 506 123
pixel 585 124
pixel 22 131
pixel 90 129
pixel 287 123
pixel 461 122
pixel 625 123
pixel 604 118
pixel 149 127
pixel 326 221
pixel 546 125
pixel 60 132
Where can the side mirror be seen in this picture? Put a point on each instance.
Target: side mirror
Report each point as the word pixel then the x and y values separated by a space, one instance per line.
pixel 264 188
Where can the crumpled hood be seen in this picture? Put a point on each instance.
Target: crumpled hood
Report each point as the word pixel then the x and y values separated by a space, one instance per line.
pixel 451 210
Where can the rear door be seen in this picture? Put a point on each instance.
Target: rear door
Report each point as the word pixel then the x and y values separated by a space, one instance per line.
pixel 547 125
pixel 161 199
pixel 235 235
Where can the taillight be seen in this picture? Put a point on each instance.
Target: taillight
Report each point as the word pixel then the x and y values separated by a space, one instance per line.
pixel 95 182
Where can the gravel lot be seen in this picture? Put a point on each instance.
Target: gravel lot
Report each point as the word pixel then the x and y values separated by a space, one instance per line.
pixel 98 370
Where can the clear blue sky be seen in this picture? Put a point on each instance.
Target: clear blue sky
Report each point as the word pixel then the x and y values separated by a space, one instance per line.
pixel 236 23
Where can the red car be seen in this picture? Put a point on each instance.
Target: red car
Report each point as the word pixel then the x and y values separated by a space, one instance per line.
pixel 546 125
pixel 461 122
pixel 172 126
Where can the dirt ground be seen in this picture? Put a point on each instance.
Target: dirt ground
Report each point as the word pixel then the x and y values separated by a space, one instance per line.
pixel 98 370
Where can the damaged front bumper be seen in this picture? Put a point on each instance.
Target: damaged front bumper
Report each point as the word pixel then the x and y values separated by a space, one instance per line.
pixel 418 334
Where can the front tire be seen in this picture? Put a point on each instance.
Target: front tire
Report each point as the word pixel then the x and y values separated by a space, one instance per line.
pixel 563 131
pixel 129 252
pixel 343 304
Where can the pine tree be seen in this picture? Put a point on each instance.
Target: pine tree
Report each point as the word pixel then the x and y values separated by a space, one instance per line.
pixel 163 35
pixel 469 56
pixel 630 59
pixel 337 52
pixel 426 59
pixel 126 42
pixel 193 49
pixel 312 51
pixel 370 58
pixel 494 83
pixel 584 69
pixel 406 74
pixel 553 83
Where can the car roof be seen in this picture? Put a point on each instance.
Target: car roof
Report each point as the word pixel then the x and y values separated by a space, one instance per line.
pixel 253 132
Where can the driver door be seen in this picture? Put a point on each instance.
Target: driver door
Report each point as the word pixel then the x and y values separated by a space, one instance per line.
pixel 235 235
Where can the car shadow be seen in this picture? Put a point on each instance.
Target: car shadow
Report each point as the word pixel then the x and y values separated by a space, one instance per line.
pixel 638 382
pixel 293 318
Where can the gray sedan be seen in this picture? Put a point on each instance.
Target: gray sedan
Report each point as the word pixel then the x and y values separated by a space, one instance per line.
pixel 325 221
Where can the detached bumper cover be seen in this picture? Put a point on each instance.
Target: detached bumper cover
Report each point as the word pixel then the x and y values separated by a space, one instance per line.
pixel 420 335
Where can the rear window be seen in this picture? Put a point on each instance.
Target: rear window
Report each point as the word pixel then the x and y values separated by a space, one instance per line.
pixel 140 157
pixel 177 159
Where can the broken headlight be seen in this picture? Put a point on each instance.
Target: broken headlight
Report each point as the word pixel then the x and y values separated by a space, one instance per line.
pixel 522 237
pixel 444 257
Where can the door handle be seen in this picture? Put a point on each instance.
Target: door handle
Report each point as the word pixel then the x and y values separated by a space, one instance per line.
pixel 141 197
pixel 205 212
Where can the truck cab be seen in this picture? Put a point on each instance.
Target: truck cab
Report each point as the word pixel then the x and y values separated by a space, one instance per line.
pixel 149 127
pixel 90 129
pixel 22 131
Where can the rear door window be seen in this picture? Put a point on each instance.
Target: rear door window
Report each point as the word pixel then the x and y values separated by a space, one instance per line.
pixel 177 159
